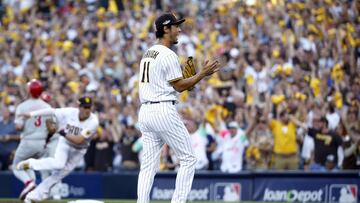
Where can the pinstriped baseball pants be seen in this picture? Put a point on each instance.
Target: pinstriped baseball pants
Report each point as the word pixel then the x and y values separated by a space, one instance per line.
pixel 160 123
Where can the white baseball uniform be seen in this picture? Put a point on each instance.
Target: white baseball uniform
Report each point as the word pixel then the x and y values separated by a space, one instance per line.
pixel 33 136
pixel 160 123
pixel 67 154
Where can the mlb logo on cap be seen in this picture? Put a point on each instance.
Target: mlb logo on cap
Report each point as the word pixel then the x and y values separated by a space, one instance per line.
pixel 228 192
pixel 343 193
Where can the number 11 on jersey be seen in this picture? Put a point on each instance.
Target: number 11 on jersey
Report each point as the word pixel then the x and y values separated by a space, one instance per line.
pixel 145 72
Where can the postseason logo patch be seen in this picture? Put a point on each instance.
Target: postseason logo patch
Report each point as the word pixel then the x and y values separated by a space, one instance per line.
pixel 343 193
pixel 228 192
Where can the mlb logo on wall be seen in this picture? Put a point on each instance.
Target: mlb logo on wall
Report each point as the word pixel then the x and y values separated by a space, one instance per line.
pixel 228 192
pixel 343 193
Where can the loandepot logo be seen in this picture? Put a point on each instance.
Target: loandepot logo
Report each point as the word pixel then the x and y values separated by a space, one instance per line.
pixel 293 195
pixel 166 194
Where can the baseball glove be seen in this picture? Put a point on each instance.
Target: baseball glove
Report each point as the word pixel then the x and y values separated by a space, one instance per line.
pixel 189 69
pixel 51 125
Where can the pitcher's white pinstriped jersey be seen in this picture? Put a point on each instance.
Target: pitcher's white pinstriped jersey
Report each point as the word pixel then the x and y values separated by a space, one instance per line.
pixel 160 123
pixel 158 67
pixel 35 127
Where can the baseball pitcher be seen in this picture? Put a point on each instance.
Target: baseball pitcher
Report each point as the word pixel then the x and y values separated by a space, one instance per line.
pixel 161 77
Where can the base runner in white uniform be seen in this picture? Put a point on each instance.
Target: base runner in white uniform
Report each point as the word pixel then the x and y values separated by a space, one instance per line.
pixel 34 133
pixel 159 122
pixel 77 126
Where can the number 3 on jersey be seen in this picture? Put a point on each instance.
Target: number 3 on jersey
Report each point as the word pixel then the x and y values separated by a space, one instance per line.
pixel 37 122
pixel 145 72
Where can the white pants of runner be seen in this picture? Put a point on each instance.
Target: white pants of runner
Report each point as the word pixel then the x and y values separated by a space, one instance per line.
pixel 160 123
pixel 65 160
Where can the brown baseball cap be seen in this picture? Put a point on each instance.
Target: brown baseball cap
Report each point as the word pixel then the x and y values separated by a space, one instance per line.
pixel 85 102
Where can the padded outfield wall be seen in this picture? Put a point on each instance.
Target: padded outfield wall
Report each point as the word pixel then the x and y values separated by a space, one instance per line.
pixel 246 186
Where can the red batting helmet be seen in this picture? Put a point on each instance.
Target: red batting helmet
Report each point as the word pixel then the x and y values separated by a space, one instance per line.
pixel 35 88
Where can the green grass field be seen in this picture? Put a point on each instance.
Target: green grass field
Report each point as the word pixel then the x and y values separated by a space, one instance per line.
pixel 106 201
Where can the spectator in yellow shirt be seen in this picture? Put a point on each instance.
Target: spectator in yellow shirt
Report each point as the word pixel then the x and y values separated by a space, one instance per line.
pixel 285 145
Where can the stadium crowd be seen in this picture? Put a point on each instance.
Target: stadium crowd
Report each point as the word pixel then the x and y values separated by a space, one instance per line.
pixel 286 98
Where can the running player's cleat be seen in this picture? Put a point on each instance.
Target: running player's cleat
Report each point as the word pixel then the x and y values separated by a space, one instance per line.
pixel 29 186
